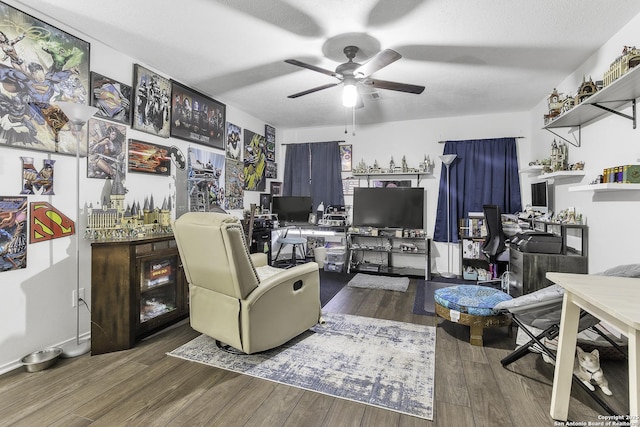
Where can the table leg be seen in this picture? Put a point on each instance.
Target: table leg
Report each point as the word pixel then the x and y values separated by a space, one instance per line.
pixel 564 361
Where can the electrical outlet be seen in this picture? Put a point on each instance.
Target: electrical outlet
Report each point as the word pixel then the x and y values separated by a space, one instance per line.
pixel 75 297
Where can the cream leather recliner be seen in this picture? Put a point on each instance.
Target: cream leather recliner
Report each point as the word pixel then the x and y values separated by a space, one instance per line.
pixel 236 297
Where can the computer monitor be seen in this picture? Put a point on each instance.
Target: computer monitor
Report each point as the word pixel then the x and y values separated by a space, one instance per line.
pixel 542 197
pixel 292 209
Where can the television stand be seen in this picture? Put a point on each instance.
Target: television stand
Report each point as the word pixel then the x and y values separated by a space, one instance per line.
pixel 389 251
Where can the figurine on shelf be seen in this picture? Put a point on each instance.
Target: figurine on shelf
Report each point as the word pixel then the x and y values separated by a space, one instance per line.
pixel 392 165
pixel 405 168
pixel 376 167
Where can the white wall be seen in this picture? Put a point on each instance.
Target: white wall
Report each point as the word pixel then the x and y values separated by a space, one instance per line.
pixel 35 302
pixel 606 142
pixel 416 139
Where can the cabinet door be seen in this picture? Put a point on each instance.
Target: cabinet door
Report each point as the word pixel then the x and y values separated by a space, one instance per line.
pixel 158 286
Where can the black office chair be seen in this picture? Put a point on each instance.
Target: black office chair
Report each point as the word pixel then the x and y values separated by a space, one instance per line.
pixel 494 247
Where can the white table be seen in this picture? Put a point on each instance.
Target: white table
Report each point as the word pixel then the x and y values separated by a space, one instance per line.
pixel 615 300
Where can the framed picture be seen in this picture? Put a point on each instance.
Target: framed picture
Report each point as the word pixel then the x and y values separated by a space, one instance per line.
pixel 149 158
pixel 272 170
pixel 41 65
pixel 196 117
pixel 107 148
pixel 206 182
pixel 111 98
pixel 234 142
pixel 270 139
pixel 152 94
pixel 265 202
pixel 345 157
pixel 255 161
pixel 13 229
pixel 276 188
pixel 234 184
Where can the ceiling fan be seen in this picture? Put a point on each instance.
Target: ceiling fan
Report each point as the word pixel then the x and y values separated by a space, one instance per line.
pixel 350 73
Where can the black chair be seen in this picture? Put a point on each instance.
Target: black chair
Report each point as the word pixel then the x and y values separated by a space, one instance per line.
pixel 494 247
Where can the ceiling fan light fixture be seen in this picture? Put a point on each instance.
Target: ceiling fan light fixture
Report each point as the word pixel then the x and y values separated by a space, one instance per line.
pixel 349 94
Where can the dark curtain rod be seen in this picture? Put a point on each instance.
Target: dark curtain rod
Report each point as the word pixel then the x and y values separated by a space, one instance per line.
pixel 313 142
pixel 516 137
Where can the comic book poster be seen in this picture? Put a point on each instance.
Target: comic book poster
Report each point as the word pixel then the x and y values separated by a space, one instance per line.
pixel 205 182
pixel 234 142
pixel 40 66
pixel 152 109
pixel 13 233
pixel 111 98
pixel 149 158
pixel 107 149
pixel 234 184
pixel 255 161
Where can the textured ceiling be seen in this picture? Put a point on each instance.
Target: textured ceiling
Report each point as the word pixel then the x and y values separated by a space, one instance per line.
pixel 474 57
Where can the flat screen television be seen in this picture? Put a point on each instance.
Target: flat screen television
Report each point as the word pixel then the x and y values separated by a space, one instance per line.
pixel 541 197
pixel 292 209
pixel 388 207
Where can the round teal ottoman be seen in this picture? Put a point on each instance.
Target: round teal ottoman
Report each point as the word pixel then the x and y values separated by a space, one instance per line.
pixel 471 305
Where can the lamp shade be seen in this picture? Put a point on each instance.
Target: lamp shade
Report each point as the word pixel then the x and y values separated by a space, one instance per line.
pixel 447 159
pixel 78 114
pixel 349 93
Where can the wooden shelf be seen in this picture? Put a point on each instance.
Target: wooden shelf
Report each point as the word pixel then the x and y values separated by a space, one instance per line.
pixel 622 91
pixel 535 169
pixel 606 187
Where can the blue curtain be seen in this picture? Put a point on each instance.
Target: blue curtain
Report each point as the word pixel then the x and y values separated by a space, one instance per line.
pixel 485 171
pixel 314 169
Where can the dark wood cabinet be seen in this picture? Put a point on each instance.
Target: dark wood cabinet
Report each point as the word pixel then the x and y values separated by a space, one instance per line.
pixel 137 288
pixel 528 270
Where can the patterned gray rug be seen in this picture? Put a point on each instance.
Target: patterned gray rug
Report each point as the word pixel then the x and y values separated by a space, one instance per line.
pixel 378 362
pixel 371 281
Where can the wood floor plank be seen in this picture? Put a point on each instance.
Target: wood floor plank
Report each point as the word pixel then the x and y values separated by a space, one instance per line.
pixel 486 397
pixel 275 409
pixel 310 411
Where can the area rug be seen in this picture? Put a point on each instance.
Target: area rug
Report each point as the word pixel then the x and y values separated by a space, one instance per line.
pixel 371 281
pixel 377 362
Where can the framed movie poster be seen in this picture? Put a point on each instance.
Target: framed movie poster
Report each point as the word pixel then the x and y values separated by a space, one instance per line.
pixel 345 157
pixel 41 65
pixel 152 94
pixel 196 117
pixel 149 158
pixel 111 98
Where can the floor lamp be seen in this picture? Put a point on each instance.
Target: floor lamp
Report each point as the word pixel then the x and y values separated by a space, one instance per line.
pixel 447 159
pixel 78 115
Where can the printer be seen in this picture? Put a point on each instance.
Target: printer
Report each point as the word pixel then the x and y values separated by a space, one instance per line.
pixel 537 242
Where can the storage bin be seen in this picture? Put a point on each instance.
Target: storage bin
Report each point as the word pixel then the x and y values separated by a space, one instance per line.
pixel 334 266
pixel 336 255
pixel 470 273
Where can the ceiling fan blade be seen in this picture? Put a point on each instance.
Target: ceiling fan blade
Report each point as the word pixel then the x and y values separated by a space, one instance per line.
pixel 315 89
pixel 311 67
pixel 381 60
pixel 400 87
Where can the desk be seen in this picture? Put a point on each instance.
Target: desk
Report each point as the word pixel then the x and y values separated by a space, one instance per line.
pixel 612 299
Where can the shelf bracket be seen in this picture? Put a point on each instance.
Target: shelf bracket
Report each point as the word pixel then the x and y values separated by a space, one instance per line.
pixel 626 116
pixel 577 142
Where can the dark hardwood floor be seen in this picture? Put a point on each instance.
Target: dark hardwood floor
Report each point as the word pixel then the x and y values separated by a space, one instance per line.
pixel 143 386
